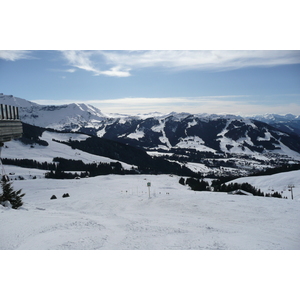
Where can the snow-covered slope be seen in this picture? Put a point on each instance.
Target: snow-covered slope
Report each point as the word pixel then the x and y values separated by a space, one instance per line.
pixel 278 182
pixel 115 212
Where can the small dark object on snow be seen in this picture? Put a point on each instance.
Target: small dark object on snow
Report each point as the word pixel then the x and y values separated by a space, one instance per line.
pixel 39 208
pixel 66 195
pixel 53 197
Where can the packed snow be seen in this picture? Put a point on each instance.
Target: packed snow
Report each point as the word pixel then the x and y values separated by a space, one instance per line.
pixel 122 212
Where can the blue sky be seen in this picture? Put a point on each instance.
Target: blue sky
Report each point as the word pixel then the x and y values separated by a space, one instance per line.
pixel 238 82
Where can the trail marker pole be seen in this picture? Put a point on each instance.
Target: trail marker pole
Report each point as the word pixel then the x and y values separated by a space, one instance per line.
pixel 291 186
pixel 149 185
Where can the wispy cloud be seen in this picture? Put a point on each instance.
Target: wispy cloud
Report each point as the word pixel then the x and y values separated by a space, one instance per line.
pixel 202 60
pixel 116 71
pixel 88 61
pixel 63 70
pixel 13 55
pixel 211 105
pixel 70 70
pixel 227 104
pixel 80 59
pixel 122 63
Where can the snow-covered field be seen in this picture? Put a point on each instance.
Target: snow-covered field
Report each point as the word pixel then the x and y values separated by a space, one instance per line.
pixel 116 212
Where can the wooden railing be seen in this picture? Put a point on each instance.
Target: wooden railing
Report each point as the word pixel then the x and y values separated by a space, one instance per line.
pixel 8 112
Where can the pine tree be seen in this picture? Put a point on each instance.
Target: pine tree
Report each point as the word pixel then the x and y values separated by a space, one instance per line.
pixel 182 181
pixel 14 197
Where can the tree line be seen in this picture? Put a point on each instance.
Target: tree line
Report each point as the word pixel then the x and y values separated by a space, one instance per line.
pixel 218 186
pixel 29 163
pixel 131 155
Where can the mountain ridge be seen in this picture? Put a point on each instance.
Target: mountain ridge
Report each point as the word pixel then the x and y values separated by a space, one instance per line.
pixel 202 136
pixel 29 108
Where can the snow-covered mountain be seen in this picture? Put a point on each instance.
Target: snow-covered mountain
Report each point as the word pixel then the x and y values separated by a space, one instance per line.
pixel 180 133
pixel 276 117
pixel 288 123
pixel 205 133
pixel 70 117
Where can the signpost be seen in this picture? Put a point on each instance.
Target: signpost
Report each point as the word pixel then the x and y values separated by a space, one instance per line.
pixel 149 185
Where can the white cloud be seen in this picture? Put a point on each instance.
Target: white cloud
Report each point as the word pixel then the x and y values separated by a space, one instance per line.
pixel 120 63
pixel 229 104
pixel 80 59
pixel 203 60
pixel 83 60
pixel 13 55
pixel 209 105
pixel 116 71
pixel 63 70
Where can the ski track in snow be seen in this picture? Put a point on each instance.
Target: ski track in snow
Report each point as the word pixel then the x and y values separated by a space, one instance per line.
pixel 115 212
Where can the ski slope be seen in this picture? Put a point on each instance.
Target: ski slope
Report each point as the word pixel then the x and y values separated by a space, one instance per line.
pixel 115 212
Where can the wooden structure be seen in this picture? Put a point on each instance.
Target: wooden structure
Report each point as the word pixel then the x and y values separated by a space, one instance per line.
pixel 10 124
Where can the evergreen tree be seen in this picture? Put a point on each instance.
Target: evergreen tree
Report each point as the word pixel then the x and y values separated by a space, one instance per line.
pixel 182 181
pixel 276 195
pixel 196 184
pixel 8 194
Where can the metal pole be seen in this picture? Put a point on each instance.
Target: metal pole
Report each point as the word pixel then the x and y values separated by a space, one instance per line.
pixel 149 184
pixel 291 187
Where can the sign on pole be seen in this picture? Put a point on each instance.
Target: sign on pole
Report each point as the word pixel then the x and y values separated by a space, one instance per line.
pixel 291 186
